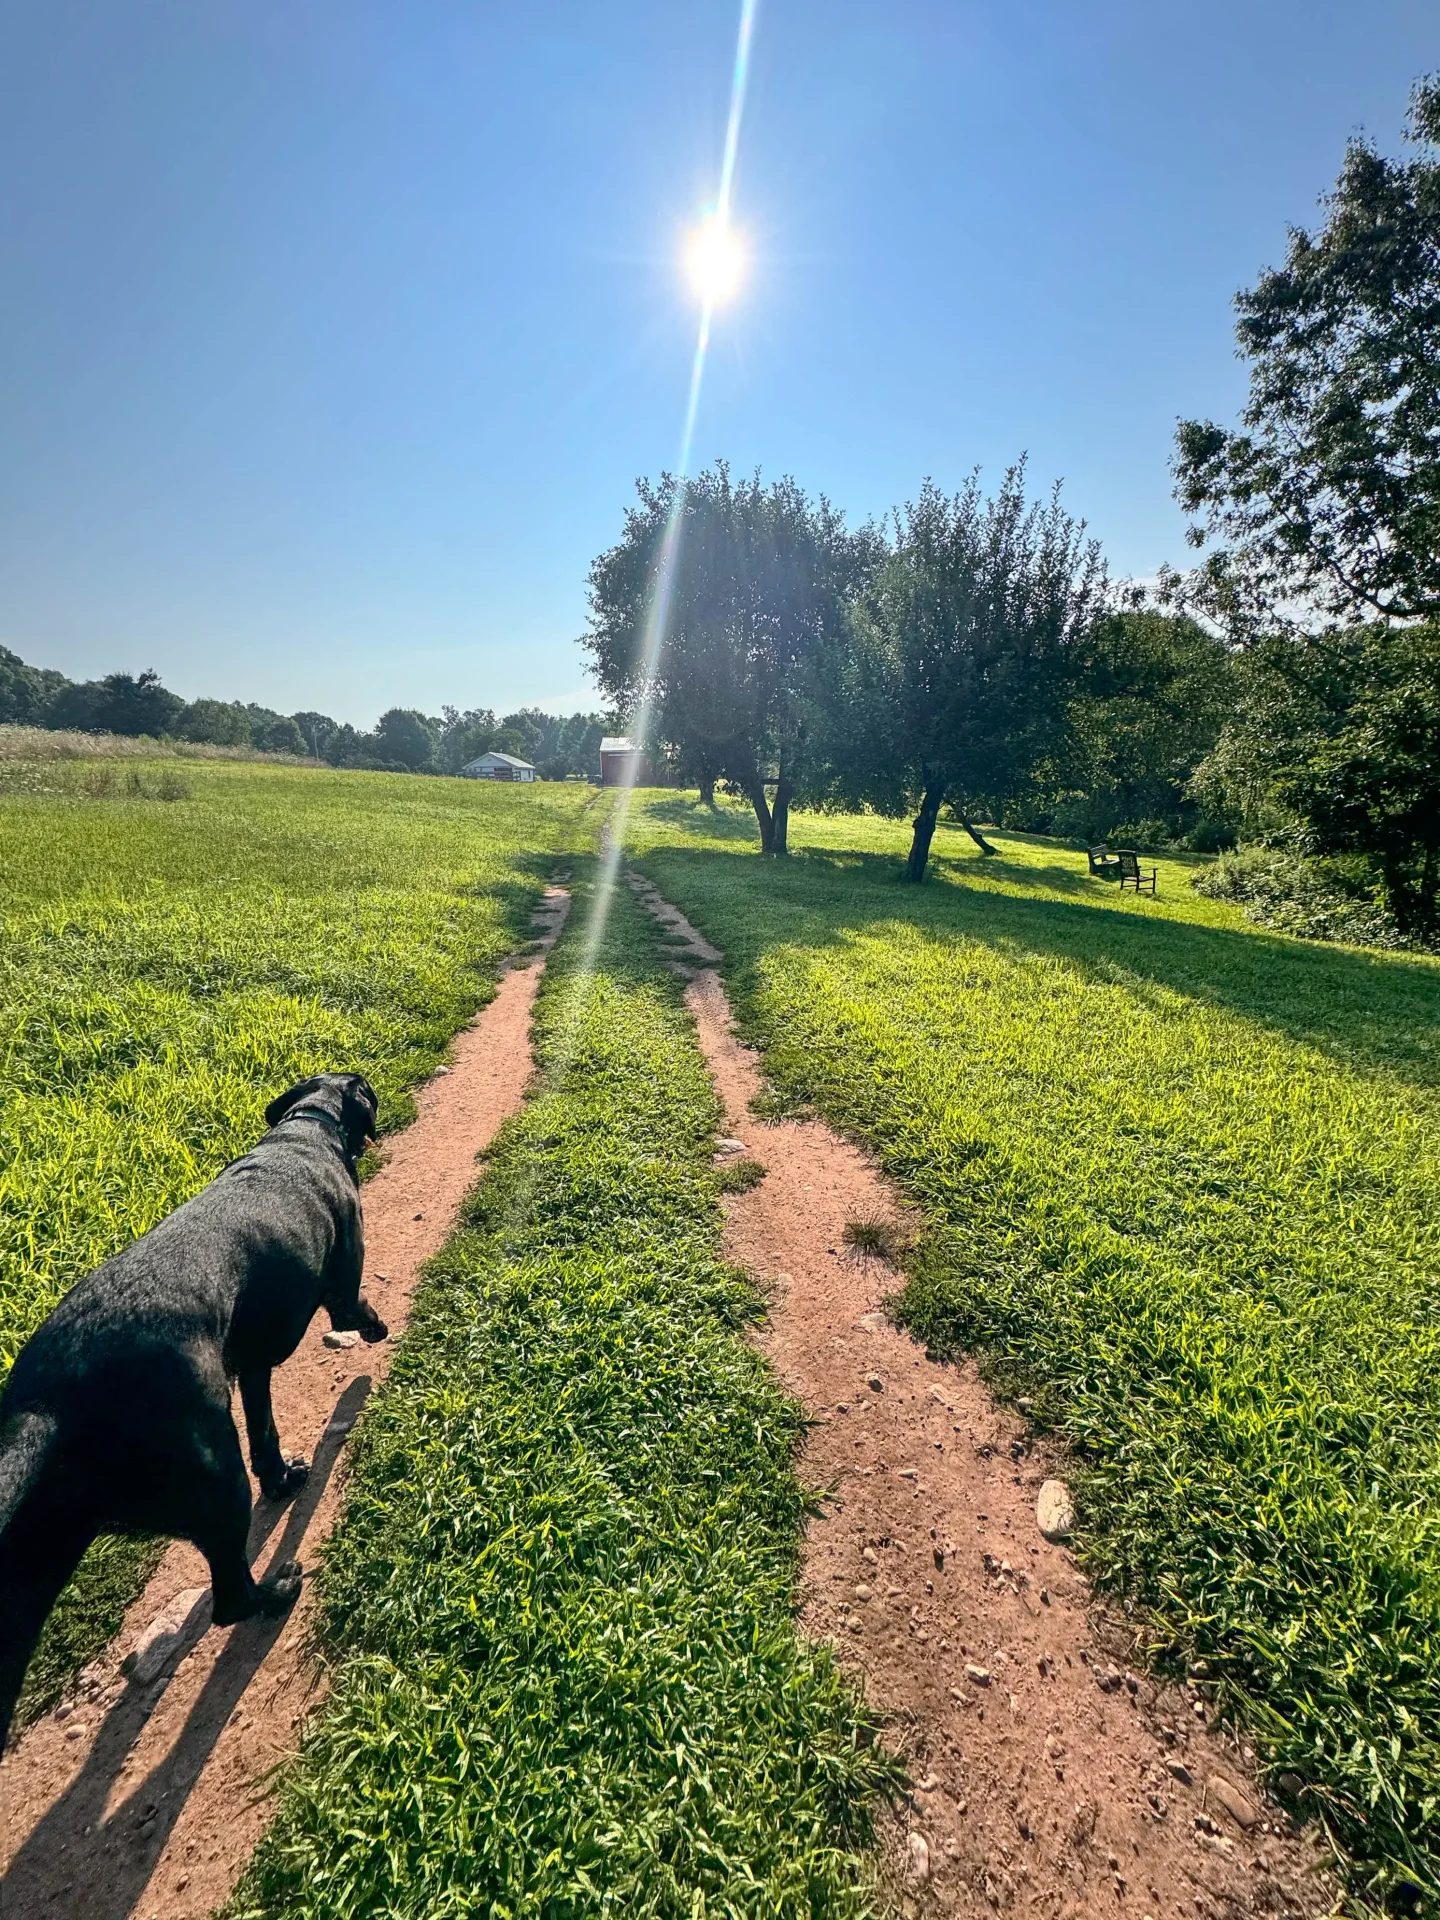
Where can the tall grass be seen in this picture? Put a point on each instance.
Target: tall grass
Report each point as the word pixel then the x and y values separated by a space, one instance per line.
pixel 165 969
pixel 1183 1181
pixel 560 1600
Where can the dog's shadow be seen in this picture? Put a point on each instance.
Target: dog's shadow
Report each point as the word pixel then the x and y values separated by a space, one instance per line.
pixel 106 1863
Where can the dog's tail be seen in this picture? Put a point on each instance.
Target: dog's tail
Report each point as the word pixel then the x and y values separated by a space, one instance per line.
pixel 26 1441
pixel 27 1590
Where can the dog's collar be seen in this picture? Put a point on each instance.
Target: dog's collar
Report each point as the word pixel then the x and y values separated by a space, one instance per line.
pixel 326 1119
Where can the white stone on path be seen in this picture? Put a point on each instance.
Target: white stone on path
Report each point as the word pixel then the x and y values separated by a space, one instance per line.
pixel 349 1338
pixel 918 1865
pixel 184 1618
pixel 1054 1511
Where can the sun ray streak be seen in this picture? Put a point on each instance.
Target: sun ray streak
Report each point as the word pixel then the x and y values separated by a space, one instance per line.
pixel 662 581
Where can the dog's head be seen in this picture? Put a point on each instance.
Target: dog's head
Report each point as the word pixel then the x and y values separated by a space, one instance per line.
pixel 347 1098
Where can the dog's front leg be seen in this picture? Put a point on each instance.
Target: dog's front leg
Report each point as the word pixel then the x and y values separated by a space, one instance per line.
pixel 349 1310
pixel 278 1477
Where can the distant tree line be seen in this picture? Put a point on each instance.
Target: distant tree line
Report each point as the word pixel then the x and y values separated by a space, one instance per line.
pixel 560 747
pixel 970 656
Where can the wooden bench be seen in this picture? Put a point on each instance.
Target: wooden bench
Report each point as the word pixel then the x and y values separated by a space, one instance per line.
pixel 1133 874
pixel 1103 863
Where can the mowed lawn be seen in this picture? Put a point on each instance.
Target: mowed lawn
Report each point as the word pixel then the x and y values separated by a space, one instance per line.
pixel 1183 1183
pixel 168 965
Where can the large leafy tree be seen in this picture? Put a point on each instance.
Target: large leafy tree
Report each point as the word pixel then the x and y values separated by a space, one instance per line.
pixel 1328 499
pixel 120 703
pixel 404 735
pixel 1336 740
pixel 26 692
pixel 752 586
pixel 1150 696
pixel 955 686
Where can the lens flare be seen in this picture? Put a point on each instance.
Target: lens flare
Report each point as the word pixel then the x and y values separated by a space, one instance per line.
pixel 715 261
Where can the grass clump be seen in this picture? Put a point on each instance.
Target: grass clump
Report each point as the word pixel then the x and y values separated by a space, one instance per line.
pixel 877 1238
pixel 1182 1184
pixel 739 1175
pixel 164 970
pixel 560 1600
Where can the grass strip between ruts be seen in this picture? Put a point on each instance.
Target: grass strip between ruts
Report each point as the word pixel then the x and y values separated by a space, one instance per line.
pixel 560 1602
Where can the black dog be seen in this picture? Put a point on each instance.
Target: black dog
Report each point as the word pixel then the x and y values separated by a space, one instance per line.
pixel 116 1416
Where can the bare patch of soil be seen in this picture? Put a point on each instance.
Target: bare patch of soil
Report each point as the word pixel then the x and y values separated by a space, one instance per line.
pixel 148 1799
pixel 1047 1776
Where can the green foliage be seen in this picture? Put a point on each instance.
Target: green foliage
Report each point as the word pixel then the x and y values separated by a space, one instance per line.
pixel 955 685
pixel 120 703
pixel 1146 706
pixel 1337 736
pixel 567 1676
pixel 25 692
pixel 1185 1176
pixel 1330 497
pixel 405 736
pixel 1314 899
pixel 757 582
pixel 223 723
pixel 164 970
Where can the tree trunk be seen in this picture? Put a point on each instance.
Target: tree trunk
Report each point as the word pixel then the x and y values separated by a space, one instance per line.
pixel 707 790
pixel 780 831
pixel 978 837
pixel 763 816
pixel 1428 882
pixel 924 833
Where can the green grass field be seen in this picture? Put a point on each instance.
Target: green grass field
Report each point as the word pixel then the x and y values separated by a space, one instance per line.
pixel 1183 1184
pixel 560 1602
pixel 168 963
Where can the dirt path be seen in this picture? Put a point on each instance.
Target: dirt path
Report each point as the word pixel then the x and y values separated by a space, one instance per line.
pixel 147 1798
pixel 1048 1778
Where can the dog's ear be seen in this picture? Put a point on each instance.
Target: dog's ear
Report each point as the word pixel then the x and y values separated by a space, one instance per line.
pixel 362 1106
pixel 292 1096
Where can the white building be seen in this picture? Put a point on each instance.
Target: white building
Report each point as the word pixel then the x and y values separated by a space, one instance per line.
pixel 498 766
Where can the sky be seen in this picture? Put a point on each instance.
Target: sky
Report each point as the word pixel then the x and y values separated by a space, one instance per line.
pixel 334 334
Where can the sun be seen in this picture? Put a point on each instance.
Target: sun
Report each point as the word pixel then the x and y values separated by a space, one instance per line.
pixel 715 261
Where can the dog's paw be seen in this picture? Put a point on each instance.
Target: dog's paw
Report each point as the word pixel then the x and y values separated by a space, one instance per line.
pixel 296 1473
pixel 279 1591
pixel 374 1333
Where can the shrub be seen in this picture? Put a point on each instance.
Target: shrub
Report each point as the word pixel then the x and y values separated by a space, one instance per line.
pixel 1313 899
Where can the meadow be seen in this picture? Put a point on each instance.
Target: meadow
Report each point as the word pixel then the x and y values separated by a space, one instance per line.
pixel 1182 1188
pixel 181 939
pixel 559 1605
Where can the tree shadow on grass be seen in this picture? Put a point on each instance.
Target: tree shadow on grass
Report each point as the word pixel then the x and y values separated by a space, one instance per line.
pixel 706 823
pixel 78 1859
pixel 1369 1011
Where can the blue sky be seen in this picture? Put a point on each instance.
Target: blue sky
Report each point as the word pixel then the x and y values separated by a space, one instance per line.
pixel 333 334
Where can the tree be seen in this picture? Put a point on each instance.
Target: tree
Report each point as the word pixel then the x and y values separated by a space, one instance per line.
pixel 1150 696
pixel 463 737
pixel 317 730
pixel 275 733
pixel 402 734
pixel 1340 732
pixel 120 703
pixel 1328 501
pixel 757 585
pixel 26 692
pixel 223 723
pixel 955 685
